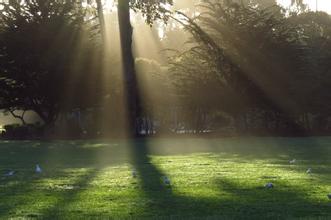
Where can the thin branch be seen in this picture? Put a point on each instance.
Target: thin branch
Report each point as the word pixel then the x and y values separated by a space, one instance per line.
pixel 21 117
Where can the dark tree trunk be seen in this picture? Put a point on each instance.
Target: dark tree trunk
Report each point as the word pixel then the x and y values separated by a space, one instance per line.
pixel 49 116
pixel 130 81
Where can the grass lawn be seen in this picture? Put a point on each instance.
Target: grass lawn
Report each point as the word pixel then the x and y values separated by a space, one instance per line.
pixel 212 179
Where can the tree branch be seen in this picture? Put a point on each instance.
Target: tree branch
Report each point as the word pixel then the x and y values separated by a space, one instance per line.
pixel 21 117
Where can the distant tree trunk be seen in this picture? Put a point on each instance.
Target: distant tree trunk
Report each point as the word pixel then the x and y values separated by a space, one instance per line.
pixel 130 81
pixel 307 121
pixel 48 115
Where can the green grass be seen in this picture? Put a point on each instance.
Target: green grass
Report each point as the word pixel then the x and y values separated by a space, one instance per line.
pixel 210 179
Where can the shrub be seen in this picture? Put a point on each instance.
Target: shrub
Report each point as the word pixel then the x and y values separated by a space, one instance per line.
pixel 19 131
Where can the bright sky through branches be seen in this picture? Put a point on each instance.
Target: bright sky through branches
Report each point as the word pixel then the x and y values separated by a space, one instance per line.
pixel 322 5
pixel 109 4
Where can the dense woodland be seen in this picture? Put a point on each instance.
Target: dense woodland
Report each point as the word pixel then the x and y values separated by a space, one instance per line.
pixel 221 67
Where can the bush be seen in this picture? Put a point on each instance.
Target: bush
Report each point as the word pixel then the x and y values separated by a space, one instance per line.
pixel 19 131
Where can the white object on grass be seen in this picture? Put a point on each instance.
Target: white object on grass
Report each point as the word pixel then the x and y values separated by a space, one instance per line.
pixel 308 171
pixel 38 169
pixel 293 161
pixel 134 173
pixel 269 185
pixel 10 173
pixel 166 180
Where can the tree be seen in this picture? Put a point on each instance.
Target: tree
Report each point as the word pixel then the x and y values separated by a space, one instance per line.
pixel 152 10
pixel 101 19
pixel 314 72
pixel 259 3
pixel 237 44
pixel 43 46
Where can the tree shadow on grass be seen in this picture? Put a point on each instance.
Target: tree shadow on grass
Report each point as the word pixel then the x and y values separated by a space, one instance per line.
pixel 59 154
pixel 151 178
pixel 71 156
pixel 66 198
pixel 231 200
pixel 25 199
pixel 11 189
pixel 23 192
pixel 282 201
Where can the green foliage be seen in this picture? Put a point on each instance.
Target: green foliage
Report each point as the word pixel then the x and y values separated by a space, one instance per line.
pixel 43 44
pixel 227 38
pixel 152 9
pixel 258 3
pixel 245 59
pixel 19 131
pixel 315 67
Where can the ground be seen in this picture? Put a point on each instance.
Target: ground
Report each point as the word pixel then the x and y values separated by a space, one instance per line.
pixel 209 178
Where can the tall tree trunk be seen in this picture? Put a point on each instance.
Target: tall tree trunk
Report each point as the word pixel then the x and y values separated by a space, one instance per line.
pixel 130 80
pixel 101 20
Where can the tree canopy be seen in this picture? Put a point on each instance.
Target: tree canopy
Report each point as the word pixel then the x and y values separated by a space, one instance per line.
pixel 43 45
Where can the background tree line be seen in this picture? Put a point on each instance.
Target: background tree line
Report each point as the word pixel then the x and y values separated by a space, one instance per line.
pixel 247 67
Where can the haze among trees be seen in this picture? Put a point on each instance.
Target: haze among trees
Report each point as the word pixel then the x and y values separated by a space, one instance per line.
pixel 154 109
pixel 221 67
